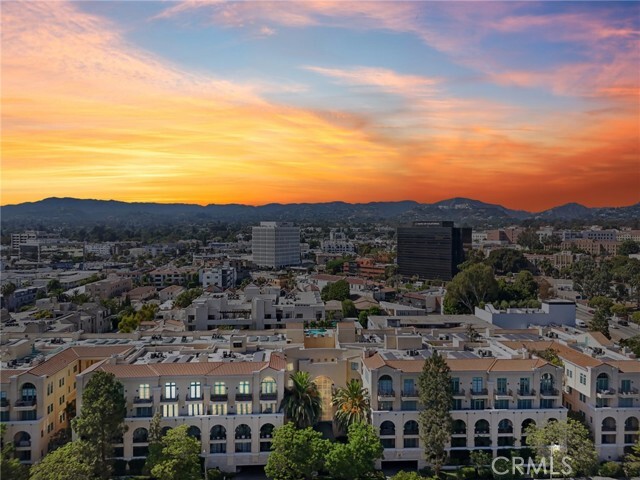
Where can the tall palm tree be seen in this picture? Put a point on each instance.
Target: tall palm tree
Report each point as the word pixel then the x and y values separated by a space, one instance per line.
pixel 302 403
pixel 353 404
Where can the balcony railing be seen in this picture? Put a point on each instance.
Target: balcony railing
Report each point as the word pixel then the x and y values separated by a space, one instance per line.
pixel 628 392
pixel 459 432
pixel 169 399
pixel 631 428
pixel 387 432
pixel 194 398
pixel 608 428
pixel 479 391
pixel 219 397
pixel 244 396
pixel 23 444
pixel 412 431
pixel 526 392
pixel 410 393
pixel 549 392
pixel 605 392
pixel 482 431
pixel 504 393
pixel 459 392
pixel 4 402
pixel 26 402
pixel 268 396
pixel 142 400
pixel 386 394
pixel 505 430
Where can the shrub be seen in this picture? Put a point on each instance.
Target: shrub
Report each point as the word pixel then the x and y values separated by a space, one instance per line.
pixel 611 469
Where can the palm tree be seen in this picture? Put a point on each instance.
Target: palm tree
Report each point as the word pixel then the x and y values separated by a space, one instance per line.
pixel 302 404
pixel 353 404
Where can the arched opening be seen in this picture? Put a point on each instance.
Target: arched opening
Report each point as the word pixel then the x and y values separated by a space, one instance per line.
pixel 387 434
pixel 385 386
pixel 505 426
pixel 164 431
pixel 547 383
pixel 523 430
pixel 411 428
pixel 194 432
pixel 459 427
pixel 27 395
pixel 602 382
pixel 482 427
pixel 268 385
pixel 140 435
pixel 22 439
pixel 631 424
pixel 609 424
pixel 266 430
pixel 325 389
pixel 218 432
pixel 243 432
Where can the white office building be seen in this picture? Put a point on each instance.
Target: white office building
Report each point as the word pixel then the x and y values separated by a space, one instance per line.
pixel 276 244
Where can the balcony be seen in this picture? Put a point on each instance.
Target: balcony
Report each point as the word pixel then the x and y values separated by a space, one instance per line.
pixel 459 393
pixel 504 394
pixel 23 444
pixel 413 394
pixel 629 393
pixel 4 402
pixel 382 394
pixel 482 431
pixel 605 393
pixel 525 392
pixel 387 432
pixel 244 397
pixel 195 398
pixel 140 400
pixel 268 396
pixel 26 404
pixel 459 432
pixel 608 428
pixel 480 392
pixel 549 392
pixel 169 399
pixel 219 397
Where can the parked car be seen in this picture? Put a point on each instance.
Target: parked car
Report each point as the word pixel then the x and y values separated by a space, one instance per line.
pixel 581 324
pixel 624 323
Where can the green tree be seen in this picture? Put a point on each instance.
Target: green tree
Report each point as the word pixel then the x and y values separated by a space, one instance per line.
pixel 336 291
pixel 336 266
pixel 619 310
pixel 54 285
pixel 402 475
pixel 11 467
pixel 352 404
pixel 180 458
pixel 295 454
pixel 302 404
pixel 68 461
pixel 632 461
pixel 356 459
pixel 101 419
pixel 633 343
pixel 526 285
pixel 590 279
pixel 567 438
pixel 187 297
pixel 481 460
pixel 469 288
pixel 8 288
pixel 155 443
pixel 530 240
pixel 628 247
pixel 508 260
pixel 349 309
pixel 435 420
pixel 600 323
pixel 601 302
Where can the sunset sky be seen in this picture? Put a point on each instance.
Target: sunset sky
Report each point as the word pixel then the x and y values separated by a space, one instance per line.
pixel 529 105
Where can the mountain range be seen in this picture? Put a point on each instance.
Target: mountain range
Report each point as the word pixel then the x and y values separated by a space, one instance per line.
pixel 72 211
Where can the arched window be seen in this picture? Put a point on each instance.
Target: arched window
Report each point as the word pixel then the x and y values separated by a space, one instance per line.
pixel 22 439
pixel 385 385
pixel 194 432
pixel 411 428
pixel 482 427
pixel 546 383
pixel 268 386
pixel 218 432
pixel 164 431
pixel 609 424
pixel 387 428
pixel 140 435
pixel 243 432
pixel 631 424
pixel 505 426
pixel 459 427
pixel 266 431
pixel 28 391
pixel 602 382
pixel 525 424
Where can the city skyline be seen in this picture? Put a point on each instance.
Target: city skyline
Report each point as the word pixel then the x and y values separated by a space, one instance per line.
pixel 526 105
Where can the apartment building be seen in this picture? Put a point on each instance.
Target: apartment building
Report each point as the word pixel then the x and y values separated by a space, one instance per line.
pixel 112 286
pixel 254 308
pixel 494 401
pixel 338 243
pixel 604 387
pixel 275 244
pixel 35 402
pixel 592 247
pixel 221 276
pixel 162 277
pixel 230 404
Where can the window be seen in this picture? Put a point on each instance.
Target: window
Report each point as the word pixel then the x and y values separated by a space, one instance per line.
pixel 4 416
pixel 477 404
pixel 625 386
pixel 244 408
pixel 502 404
pixel 455 385
pixel 408 386
pixel 170 410
pixel 219 409
pixel 195 390
pixel 268 386
pixel 502 385
pixel 218 448
pixel 219 388
pixel 410 405
pixel 354 366
pixel 525 387
pixel 525 404
pixel 244 387
pixel 170 391
pixel 410 443
pixel 28 415
pixel 582 396
pixel 385 406
pixel 546 403
pixel 195 409
pixel 477 384
pixel 626 403
pixel 457 404
pixel 144 391
pixel 583 379
pixel 268 407
pixel 144 412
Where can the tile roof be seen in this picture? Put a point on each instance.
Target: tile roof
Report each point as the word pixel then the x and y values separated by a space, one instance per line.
pixel 6 374
pixel 64 358
pixel 626 366
pixel 601 339
pixel 192 368
pixel 565 352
